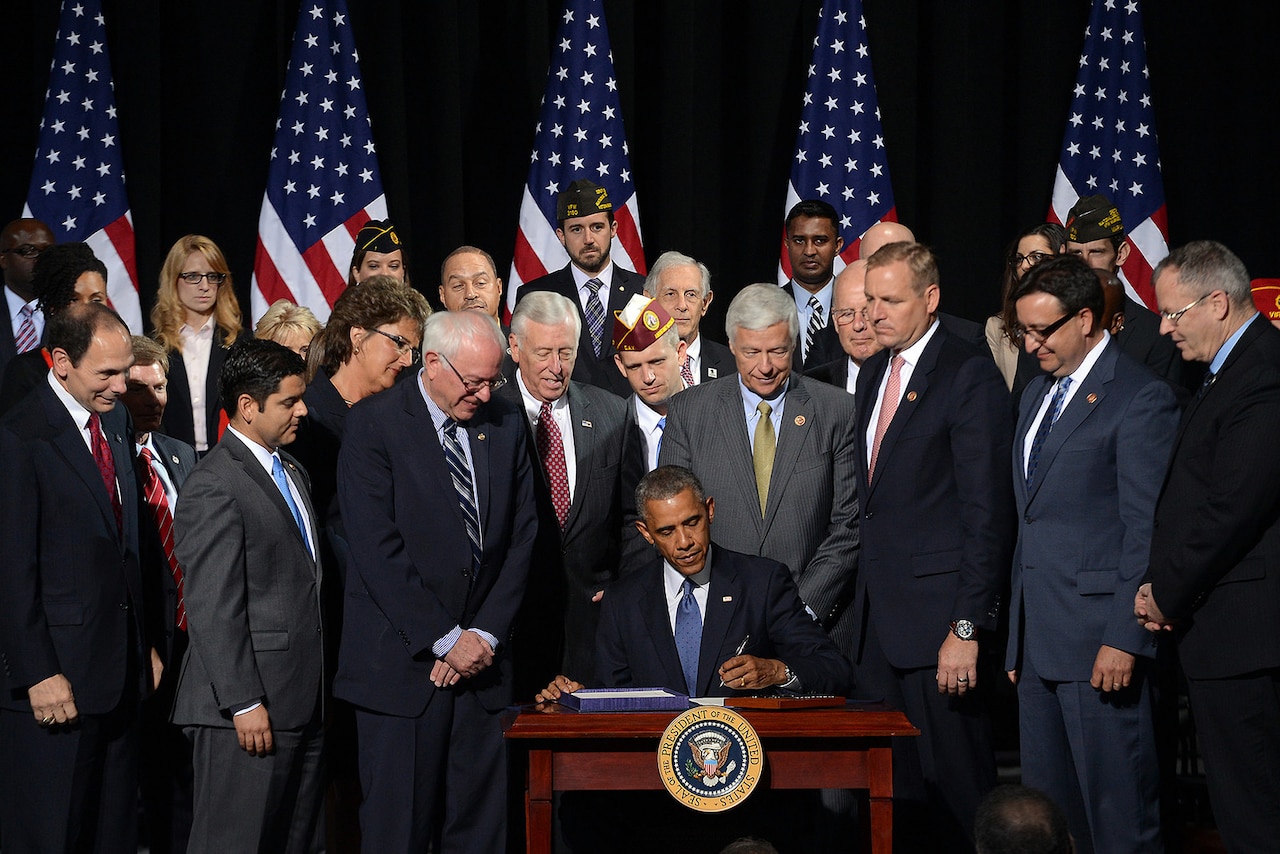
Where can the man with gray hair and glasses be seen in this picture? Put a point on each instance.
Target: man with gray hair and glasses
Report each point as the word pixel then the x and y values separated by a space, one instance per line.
pixel 682 286
pixel 1213 581
pixel 436 490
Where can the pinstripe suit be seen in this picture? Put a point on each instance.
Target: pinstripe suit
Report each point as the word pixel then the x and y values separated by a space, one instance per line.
pixel 810 524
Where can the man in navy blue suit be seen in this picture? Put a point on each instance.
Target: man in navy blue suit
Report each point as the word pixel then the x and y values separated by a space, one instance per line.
pixel 1093 436
pixel 436 490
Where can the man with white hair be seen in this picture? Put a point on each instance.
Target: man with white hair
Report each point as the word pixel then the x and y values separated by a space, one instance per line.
pixel 778 450
pixel 682 286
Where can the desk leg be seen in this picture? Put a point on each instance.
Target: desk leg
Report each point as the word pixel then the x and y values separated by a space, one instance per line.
pixel 537 803
pixel 880 767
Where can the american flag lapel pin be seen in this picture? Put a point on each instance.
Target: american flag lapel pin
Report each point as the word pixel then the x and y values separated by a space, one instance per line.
pixel 586 423
pixel 727 599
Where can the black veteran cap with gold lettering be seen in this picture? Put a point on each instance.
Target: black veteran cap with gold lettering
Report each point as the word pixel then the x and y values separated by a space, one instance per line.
pixel 378 235
pixel 642 322
pixel 583 198
pixel 1093 218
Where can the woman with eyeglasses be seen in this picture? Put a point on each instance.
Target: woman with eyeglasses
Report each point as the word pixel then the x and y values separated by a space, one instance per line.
pixel 370 340
pixel 196 317
pixel 1035 244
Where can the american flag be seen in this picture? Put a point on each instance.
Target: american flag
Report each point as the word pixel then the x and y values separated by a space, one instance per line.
pixel 579 135
pixel 1110 143
pixel 840 155
pixel 77 186
pixel 323 182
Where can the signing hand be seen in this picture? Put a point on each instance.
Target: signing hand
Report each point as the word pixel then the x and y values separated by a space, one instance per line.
pixel 470 654
pixel 560 685
pixel 254 731
pixel 957 666
pixel 749 673
pixel 1112 669
pixel 52 701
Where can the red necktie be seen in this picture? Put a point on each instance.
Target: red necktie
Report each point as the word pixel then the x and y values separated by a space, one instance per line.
pixel 106 465
pixel 154 492
pixel 551 450
pixel 686 372
pixel 888 406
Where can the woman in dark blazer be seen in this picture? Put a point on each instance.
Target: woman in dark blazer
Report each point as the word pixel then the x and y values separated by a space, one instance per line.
pixel 196 318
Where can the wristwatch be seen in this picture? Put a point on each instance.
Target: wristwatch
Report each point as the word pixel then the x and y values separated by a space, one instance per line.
pixel 788 677
pixel 964 629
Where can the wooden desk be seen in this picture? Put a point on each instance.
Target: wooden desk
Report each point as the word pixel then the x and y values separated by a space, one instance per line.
pixel 845 748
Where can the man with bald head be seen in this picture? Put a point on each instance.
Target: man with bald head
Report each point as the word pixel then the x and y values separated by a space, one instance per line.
pixel 22 322
pixel 682 286
pixel 469 281
pixel 854 330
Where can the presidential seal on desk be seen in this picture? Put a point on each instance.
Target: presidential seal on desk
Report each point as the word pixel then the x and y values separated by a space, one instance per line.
pixel 710 759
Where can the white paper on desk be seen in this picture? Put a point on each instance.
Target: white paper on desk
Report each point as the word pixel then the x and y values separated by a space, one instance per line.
pixel 622 693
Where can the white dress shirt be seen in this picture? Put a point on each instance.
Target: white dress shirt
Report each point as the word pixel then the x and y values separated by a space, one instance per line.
pixel 564 421
pixel 197 344
pixel 910 357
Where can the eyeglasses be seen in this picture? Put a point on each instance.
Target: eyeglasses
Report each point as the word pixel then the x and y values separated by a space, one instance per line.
pixel 26 250
pixel 1016 260
pixel 1039 336
pixel 215 279
pixel 1174 316
pixel 845 316
pixel 474 386
pixel 403 345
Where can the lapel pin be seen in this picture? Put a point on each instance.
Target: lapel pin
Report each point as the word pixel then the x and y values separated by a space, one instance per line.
pixel 480 437
pixel 175 459
pixel 713 373
pixel 911 396
pixel 1092 398
pixel 799 420
pixel 727 599
pixel 586 423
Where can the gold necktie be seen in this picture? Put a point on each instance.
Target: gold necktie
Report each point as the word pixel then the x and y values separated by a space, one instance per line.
pixel 762 454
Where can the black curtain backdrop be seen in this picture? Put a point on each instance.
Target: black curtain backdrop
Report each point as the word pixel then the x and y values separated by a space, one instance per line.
pixel 973 96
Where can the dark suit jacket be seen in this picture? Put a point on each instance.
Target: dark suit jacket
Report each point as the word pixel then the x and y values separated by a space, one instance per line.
pixel 937 522
pixel 810 524
pixel 835 372
pixel 717 361
pixel 8 347
pixel 1215 551
pixel 1142 341
pixel 178 421
pixel 749 596
pixel 72 582
pixel 24 372
pixel 410 581
pixel 1084 525
pixel 571 566
pixel 826 345
pixel 601 372
pixel 252 594
pixel 178 459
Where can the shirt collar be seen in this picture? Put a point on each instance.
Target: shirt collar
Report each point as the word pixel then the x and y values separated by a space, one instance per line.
pixel 911 355
pixel 78 413
pixel 672 579
pixel 1220 358
pixel 533 406
pixel 580 277
pixel 1090 359
pixel 264 457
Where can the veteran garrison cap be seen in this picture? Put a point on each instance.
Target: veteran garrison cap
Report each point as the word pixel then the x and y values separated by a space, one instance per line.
pixel 1093 218
pixel 642 322
pixel 378 235
pixel 583 198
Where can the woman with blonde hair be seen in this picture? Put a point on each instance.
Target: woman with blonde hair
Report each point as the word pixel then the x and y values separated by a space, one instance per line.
pixel 196 318
pixel 293 326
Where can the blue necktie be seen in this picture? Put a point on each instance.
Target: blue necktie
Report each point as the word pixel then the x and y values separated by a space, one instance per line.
pixel 1046 424
pixel 662 429
pixel 282 482
pixel 689 635
pixel 460 474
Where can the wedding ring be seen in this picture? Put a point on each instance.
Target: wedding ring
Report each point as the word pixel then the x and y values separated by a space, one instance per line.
pixel 962 679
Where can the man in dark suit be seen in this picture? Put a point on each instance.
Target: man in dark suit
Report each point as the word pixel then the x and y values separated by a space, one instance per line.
pixel 1214 577
pixel 1096 233
pixel 1089 451
pixel 682 286
pixel 778 451
pixel 753 633
pixel 21 321
pixel 852 329
pixel 251 691
pixel 437 495
pixel 577 438
pixel 933 435
pixel 74 632
pixel 813 242
pixel 163 463
pixel 591 280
